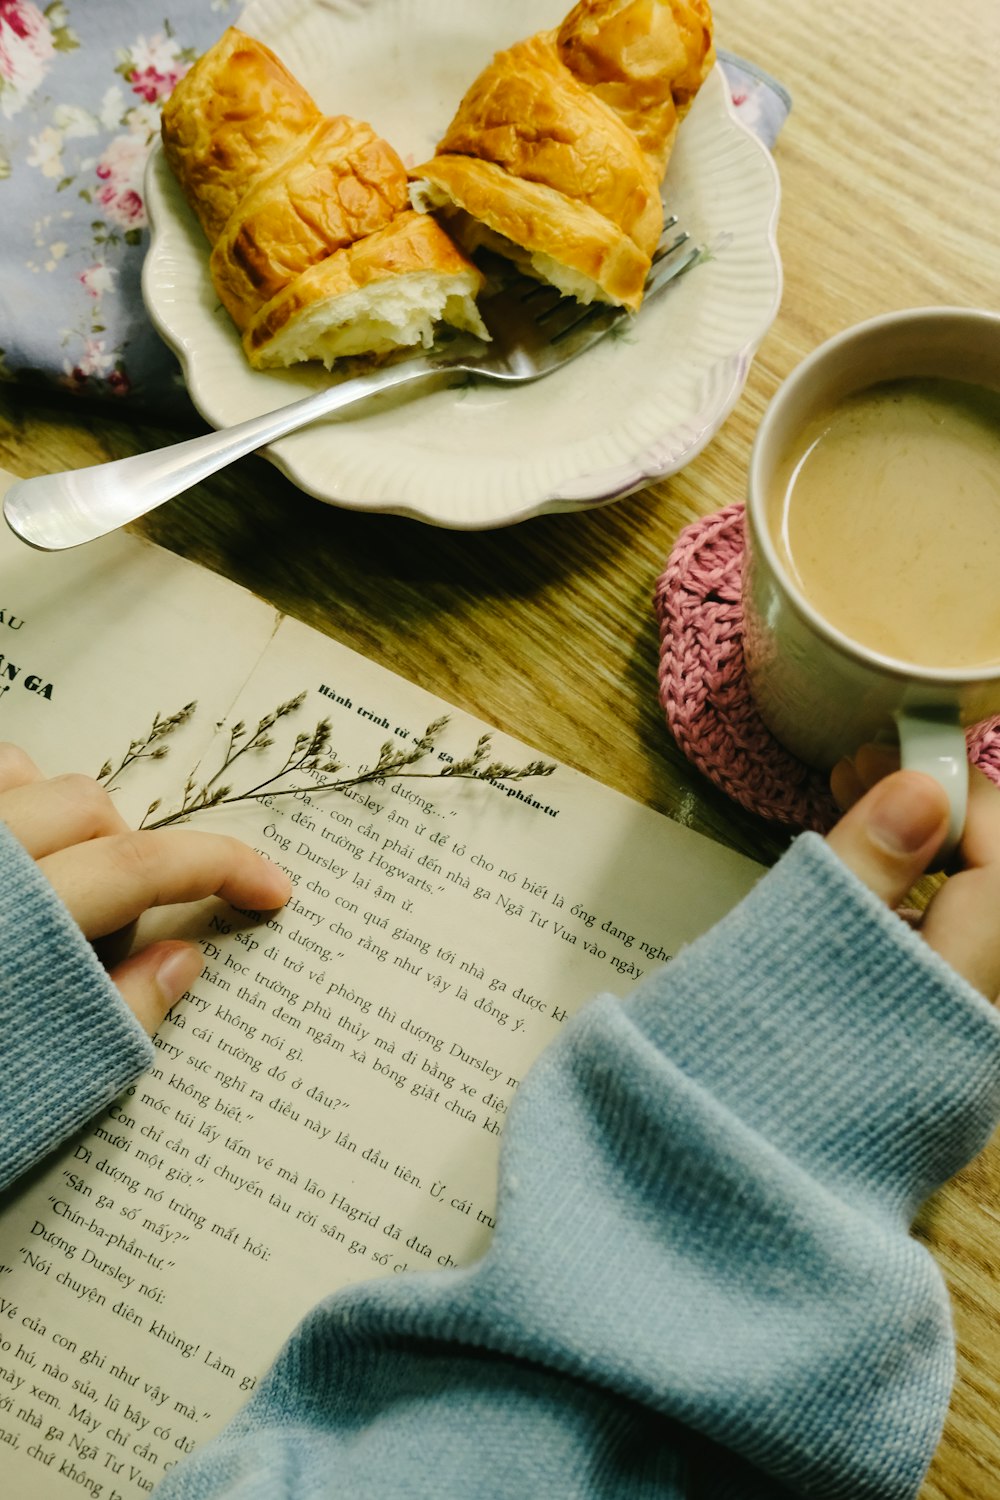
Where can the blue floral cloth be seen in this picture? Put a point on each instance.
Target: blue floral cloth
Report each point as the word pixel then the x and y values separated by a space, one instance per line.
pixel 81 87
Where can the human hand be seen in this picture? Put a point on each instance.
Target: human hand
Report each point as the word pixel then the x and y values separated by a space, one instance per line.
pixel 894 823
pixel 107 874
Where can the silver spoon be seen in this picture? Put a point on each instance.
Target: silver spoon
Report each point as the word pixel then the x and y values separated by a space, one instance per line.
pixel 534 331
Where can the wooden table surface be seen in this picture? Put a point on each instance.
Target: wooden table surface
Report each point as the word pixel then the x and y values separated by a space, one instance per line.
pixel 890 170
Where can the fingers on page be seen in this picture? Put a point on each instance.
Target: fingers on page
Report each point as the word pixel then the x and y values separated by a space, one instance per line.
pixel 49 815
pixel 16 767
pixel 155 979
pixel 111 881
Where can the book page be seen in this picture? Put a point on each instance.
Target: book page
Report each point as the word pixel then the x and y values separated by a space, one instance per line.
pixel 107 634
pixel 327 1102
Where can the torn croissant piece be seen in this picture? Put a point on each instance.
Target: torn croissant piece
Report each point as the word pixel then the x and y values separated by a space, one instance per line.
pixel 341 182
pixel 381 293
pixel 558 149
pixel 289 200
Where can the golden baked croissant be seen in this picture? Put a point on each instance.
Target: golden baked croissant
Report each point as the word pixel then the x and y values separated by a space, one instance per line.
pixel 289 199
pixel 339 182
pixel 237 111
pixel 556 154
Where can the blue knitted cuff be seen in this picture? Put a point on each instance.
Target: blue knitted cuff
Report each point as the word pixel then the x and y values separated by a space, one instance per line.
pixel 881 1044
pixel 68 1042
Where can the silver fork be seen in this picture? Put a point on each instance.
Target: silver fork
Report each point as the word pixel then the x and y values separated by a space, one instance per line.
pixel 534 332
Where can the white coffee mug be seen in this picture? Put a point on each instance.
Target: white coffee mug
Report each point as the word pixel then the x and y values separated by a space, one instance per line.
pixel 821 693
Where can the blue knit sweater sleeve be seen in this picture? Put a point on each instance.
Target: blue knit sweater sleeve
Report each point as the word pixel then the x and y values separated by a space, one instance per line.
pixel 702 1281
pixel 68 1042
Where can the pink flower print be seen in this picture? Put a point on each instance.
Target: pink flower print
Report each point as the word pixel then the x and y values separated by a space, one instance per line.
pixel 14 14
pixel 748 103
pixel 98 366
pixel 157 65
pixel 151 85
pixel 98 279
pixel 95 359
pixel 94 362
pixel 120 171
pixel 26 50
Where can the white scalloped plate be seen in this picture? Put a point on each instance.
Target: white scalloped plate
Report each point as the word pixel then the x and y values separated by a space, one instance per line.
pixel 632 409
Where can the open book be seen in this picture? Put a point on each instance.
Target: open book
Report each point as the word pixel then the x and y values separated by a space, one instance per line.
pixel 328 1100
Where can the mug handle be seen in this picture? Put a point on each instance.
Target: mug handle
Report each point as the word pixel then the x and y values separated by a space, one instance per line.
pixel 933 741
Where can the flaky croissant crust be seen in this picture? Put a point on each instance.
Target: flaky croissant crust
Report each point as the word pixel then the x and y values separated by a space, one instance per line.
pixel 572 122
pixel 306 214
pixel 529 115
pixel 340 183
pixel 236 112
pixel 646 59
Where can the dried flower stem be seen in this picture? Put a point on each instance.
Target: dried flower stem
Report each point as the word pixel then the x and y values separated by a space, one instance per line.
pixel 310 752
pixel 150 747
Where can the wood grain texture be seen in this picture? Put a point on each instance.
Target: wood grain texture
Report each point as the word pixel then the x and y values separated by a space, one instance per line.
pixel 891 198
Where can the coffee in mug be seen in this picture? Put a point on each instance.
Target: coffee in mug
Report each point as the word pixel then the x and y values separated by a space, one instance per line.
pixel 872 581
pixel 885 511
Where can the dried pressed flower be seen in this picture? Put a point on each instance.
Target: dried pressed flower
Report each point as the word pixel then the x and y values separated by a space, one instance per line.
pixel 310 752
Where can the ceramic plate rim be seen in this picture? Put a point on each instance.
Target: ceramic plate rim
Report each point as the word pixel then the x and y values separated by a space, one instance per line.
pixel 171 264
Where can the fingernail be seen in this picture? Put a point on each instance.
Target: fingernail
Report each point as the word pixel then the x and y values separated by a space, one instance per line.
pixel 909 809
pixel 280 880
pixel 178 971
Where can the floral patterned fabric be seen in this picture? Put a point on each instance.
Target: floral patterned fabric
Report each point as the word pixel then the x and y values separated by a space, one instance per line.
pixel 81 87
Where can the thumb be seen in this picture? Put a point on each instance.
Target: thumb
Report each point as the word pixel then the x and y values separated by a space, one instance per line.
pixel 890 836
pixel 155 979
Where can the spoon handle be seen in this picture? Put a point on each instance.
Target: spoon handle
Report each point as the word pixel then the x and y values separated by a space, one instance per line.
pixel 54 511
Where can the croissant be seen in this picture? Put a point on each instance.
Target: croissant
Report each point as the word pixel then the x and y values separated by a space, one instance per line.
pixel 339 182
pixel 289 198
pixel 556 154
pixel 237 111
pixel 385 287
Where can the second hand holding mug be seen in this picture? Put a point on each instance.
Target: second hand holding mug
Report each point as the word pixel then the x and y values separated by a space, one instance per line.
pixel 871 594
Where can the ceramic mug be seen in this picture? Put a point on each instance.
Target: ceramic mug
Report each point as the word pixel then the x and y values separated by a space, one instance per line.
pixel 821 693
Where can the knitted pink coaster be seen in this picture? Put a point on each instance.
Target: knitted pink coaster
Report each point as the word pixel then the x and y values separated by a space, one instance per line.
pixel 705 694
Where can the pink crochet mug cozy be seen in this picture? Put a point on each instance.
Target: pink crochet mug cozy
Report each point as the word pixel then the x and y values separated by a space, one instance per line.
pixel 705 693
pixel 852 599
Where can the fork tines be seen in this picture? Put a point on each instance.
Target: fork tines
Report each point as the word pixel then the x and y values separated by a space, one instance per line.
pixel 560 316
pixel 667 243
